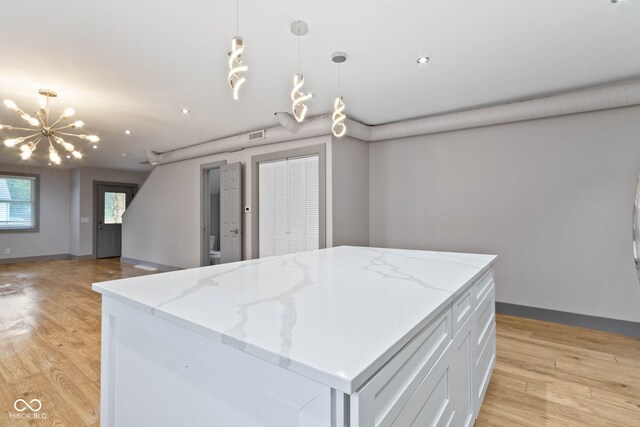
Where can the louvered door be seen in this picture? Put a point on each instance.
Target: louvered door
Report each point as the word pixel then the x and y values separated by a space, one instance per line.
pixel 289 215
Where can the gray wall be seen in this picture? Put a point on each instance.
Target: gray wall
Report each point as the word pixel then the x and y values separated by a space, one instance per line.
pixel 350 182
pixel 66 196
pixel 162 225
pixel 553 198
pixel 53 236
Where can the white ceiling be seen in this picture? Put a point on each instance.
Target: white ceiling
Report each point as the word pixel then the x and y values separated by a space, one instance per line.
pixel 135 64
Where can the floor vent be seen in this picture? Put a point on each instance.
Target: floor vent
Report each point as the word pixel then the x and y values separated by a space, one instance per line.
pixel 257 136
pixel 145 267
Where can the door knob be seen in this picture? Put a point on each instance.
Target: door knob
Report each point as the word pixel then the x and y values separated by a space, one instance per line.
pixel 235 231
pixel 99 228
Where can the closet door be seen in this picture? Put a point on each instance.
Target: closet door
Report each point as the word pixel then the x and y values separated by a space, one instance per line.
pixel 281 207
pixel 312 203
pixel 289 211
pixel 274 208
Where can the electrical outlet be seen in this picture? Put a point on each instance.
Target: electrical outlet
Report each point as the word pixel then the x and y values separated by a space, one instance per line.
pixel 7 251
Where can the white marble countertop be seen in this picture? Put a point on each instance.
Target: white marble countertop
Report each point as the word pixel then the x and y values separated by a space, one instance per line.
pixel 334 315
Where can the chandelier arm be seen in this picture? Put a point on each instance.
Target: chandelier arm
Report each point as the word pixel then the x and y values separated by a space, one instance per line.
pixel 67 134
pixel 31 136
pixel 61 128
pixel 8 127
pixel 61 119
pixel 41 118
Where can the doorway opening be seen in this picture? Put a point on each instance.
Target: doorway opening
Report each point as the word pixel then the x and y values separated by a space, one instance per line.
pixel 110 203
pixel 213 195
pixel 221 213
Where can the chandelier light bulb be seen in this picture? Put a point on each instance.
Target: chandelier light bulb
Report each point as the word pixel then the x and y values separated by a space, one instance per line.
pixel 34 122
pixel 236 66
pixel 69 112
pixel 25 155
pixel 93 138
pixel 10 142
pixel 10 104
pixel 298 97
pixel 339 128
pixel 54 156
pixel 67 146
pixel 77 124
pixel 77 155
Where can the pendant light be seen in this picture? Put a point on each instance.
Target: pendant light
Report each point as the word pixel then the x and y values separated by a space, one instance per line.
pixel 298 97
pixel 338 128
pixel 236 66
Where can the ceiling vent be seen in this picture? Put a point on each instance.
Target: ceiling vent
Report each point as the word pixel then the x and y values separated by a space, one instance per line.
pixel 257 136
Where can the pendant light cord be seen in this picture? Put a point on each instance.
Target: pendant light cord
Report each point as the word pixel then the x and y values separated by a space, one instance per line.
pixel 299 68
pixel 237 17
pixel 339 88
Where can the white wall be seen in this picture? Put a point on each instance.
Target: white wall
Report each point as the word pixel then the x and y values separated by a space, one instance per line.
pixel 53 236
pixel 82 232
pixel 162 225
pixel 350 183
pixel 553 198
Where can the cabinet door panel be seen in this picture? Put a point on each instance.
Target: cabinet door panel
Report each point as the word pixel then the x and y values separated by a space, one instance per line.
pixel 462 384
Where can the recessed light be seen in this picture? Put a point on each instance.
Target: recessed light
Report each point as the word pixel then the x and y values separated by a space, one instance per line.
pixel 127 132
pixel 95 147
pixel 422 60
pixel 124 154
pixel 185 111
pixel 616 1
pixel 68 156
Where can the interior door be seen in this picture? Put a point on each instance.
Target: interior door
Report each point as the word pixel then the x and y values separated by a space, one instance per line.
pixel 231 213
pixel 112 202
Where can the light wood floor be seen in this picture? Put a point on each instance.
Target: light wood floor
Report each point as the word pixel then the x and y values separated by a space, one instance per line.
pixel 546 374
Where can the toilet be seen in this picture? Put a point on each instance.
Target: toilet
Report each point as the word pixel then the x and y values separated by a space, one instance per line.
pixel 214 256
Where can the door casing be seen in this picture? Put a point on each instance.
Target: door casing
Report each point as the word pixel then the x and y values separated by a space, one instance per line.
pixel 312 150
pixel 94 220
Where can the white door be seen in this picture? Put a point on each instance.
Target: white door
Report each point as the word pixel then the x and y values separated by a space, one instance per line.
pixel 289 206
pixel 230 213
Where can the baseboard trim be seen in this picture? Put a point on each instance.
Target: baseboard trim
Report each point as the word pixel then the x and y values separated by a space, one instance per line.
pixel 160 267
pixel 16 260
pixel 81 257
pixel 621 327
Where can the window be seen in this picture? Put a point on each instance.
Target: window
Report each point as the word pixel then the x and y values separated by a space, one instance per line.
pixel 114 206
pixel 18 202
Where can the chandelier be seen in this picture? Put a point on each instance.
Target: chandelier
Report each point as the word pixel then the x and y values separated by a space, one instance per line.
pixel 42 127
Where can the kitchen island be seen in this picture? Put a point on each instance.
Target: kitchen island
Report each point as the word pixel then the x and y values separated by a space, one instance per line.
pixel 346 336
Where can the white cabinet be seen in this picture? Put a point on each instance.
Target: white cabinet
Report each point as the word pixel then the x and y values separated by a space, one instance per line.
pixel 345 336
pixel 289 206
pixel 441 376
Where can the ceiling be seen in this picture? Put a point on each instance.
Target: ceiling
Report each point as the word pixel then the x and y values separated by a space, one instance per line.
pixel 135 64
